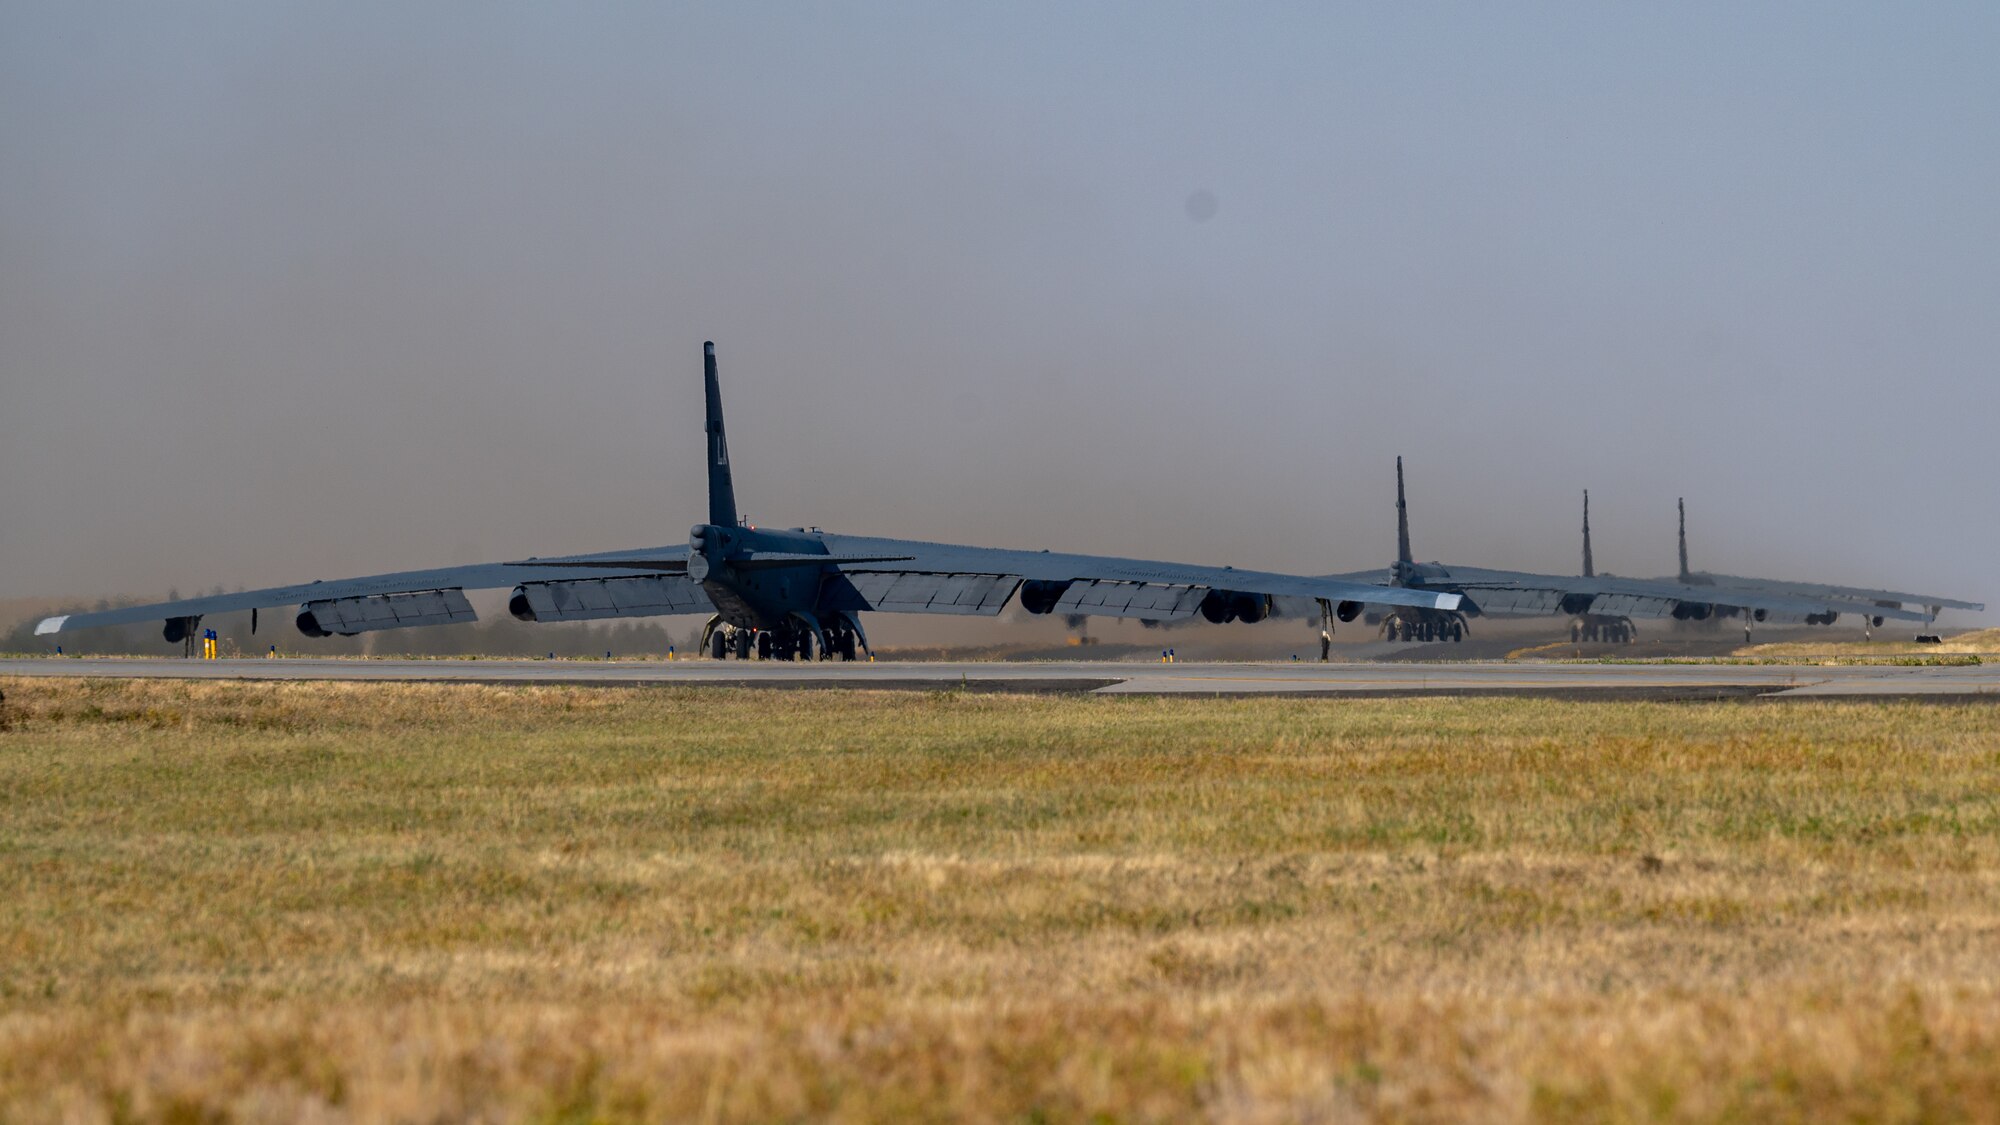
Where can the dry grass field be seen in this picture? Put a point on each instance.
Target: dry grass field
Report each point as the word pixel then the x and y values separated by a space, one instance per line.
pixel 1979 642
pixel 300 902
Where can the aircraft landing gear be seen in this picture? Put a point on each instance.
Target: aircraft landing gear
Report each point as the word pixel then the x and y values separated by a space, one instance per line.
pixel 798 638
pixel 1424 625
pixel 724 641
pixel 1609 630
pixel 839 642
pixel 843 638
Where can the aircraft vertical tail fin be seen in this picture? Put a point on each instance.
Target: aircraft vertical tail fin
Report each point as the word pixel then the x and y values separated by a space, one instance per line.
pixel 721 487
pixel 1681 505
pixel 1589 570
pixel 1402 518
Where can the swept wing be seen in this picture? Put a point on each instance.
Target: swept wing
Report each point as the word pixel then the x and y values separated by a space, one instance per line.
pixel 1876 599
pixel 1521 593
pixel 792 583
pixel 378 601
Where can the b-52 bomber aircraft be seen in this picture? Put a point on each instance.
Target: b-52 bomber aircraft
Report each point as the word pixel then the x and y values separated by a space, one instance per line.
pixel 784 594
pixel 1600 606
pixel 1863 597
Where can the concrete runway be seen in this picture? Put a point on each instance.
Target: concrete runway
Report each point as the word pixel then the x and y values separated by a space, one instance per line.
pixel 1587 681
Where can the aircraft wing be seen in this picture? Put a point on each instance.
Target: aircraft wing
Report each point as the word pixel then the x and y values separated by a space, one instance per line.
pixel 905 576
pixel 1380 576
pixel 862 574
pixel 414 597
pixel 1514 592
pixel 1878 598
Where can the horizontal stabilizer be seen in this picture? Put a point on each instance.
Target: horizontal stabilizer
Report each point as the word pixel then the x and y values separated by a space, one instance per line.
pixel 1153 601
pixel 1519 603
pixel 348 616
pixel 592 599
pixel 1632 605
pixel 659 565
pixel 50 625
pixel 762 560
pixel 915 592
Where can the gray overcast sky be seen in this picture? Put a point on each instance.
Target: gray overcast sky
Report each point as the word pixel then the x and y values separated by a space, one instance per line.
pixel 293 291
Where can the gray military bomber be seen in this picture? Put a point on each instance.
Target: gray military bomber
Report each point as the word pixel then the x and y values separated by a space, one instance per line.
pixel 1863 597
pixel 796 593
pixel 1602 606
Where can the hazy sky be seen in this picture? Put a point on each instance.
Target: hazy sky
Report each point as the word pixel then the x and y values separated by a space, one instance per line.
pixel 296 291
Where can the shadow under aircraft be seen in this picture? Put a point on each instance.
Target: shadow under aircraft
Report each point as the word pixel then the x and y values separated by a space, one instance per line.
pixel 785 594
pixel 1600 606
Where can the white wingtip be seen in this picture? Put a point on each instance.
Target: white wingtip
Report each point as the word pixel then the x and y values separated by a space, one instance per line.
pixel 50 625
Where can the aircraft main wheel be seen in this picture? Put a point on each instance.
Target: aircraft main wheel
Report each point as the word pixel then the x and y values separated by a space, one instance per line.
pixel 718 645
pixel 742 644
pixel 763 646
pixel 1457 633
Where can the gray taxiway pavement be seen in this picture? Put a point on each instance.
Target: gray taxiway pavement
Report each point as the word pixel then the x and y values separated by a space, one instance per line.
pixel 1106 677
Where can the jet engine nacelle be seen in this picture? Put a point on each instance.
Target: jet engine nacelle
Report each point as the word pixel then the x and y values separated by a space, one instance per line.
pixel 1041 595
pixel 1347 611
pixel 179 629
pixel 517 604
pixel 1229 605
pixel 1692 611
pixel 309 624
pixel 1820 618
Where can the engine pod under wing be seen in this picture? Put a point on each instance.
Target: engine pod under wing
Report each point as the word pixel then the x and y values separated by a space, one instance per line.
pixel 348 616
pixel 592 599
